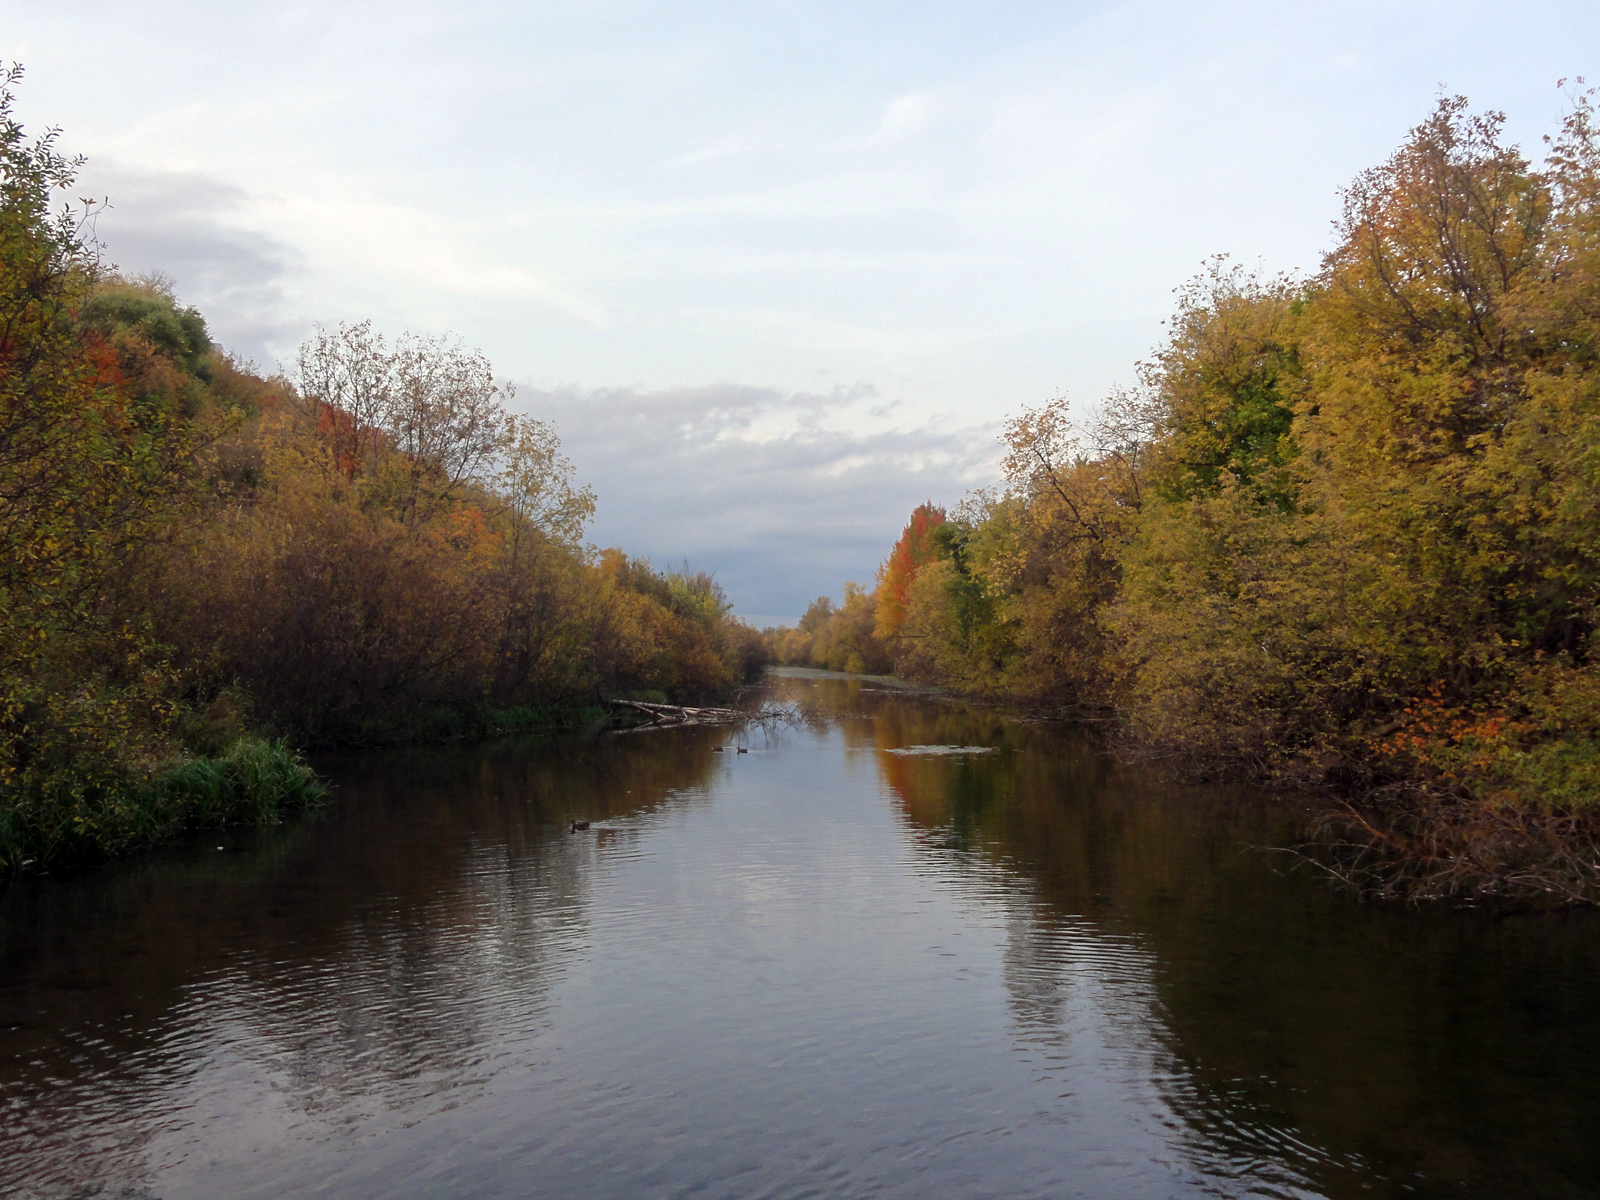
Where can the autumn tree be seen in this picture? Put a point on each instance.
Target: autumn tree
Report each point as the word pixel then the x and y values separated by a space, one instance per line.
pixel 913 551
pixel 1077 491
pixel 95 458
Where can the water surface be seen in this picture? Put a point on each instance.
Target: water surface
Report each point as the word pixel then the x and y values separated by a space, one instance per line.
pixel 903 949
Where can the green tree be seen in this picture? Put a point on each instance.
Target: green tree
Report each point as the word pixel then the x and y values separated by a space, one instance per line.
pixel 90 470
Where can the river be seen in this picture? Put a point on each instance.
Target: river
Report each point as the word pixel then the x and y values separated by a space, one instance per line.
pixel 900 948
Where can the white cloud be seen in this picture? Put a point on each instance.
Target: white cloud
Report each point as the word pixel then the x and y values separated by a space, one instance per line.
pixel 761 486
pixel 972 206
pixel 184 226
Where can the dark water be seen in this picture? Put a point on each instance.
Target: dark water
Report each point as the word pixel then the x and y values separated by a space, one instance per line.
pixel 823 968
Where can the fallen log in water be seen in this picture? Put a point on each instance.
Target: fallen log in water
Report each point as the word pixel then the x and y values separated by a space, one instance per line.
pixel 662 716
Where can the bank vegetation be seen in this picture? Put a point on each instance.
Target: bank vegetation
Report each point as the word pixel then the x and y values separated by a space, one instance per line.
pixel 1343 529
pixel 203 570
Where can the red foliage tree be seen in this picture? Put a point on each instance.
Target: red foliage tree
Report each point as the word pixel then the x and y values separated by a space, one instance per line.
pixel 911 553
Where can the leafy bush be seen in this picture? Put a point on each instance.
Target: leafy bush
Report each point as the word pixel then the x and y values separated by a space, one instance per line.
pixel 77 820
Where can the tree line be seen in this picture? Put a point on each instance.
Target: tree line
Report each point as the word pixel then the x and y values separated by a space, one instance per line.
pixel 1343 527
pixel 201 566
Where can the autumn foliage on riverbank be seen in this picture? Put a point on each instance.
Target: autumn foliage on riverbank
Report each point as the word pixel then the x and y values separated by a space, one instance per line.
pixel 193 556
pixel 1345 526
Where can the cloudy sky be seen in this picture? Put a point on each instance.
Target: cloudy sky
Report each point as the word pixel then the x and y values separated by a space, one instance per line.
pixel 778 270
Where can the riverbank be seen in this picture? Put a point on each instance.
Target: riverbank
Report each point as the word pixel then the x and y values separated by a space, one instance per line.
pixel 90 819
pixel 904 949
pixel 1340 533
pixel 194 555
pixel 1378 831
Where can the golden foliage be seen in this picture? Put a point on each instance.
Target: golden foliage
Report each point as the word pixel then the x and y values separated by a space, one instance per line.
pixel 1350 523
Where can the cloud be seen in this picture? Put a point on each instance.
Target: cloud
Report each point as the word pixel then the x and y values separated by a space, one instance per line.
pixel 773 491
pixel 177 223
pixel 901 119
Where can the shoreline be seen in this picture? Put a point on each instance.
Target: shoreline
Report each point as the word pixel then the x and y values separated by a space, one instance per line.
pixel 1397 839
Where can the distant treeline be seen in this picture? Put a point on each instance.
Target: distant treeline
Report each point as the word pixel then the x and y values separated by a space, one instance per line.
pixel 194 557
pixel 1343 526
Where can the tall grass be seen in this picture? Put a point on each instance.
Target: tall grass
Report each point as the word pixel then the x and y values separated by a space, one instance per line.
pixel 254 782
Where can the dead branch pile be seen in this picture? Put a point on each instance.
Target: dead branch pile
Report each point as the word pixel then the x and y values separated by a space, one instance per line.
pixel 674 716
pixel 1404 842
pixel 667 716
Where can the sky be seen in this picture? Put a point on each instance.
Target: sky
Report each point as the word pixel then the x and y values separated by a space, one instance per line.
pixel 778 271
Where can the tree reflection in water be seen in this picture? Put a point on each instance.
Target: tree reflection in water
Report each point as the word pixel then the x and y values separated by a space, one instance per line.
pixel 357 962
pixel 828 966
pixel 1302 1039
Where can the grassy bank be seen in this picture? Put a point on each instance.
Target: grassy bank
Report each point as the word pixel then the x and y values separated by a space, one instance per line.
pixel 254 782
pixel 80 818
pixel 477 723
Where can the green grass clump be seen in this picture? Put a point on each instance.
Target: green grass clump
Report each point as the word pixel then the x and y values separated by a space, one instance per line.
pixel 543 718
pixel 476 723
pixel 72 820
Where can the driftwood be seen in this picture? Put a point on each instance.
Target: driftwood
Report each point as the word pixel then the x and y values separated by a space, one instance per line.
pixel 769 717
pixel 1407 842
pixel 667 716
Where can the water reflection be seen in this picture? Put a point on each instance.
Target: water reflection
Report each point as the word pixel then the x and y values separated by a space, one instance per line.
pixel 360 964
pixel 825 967
pixel 1305 1042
